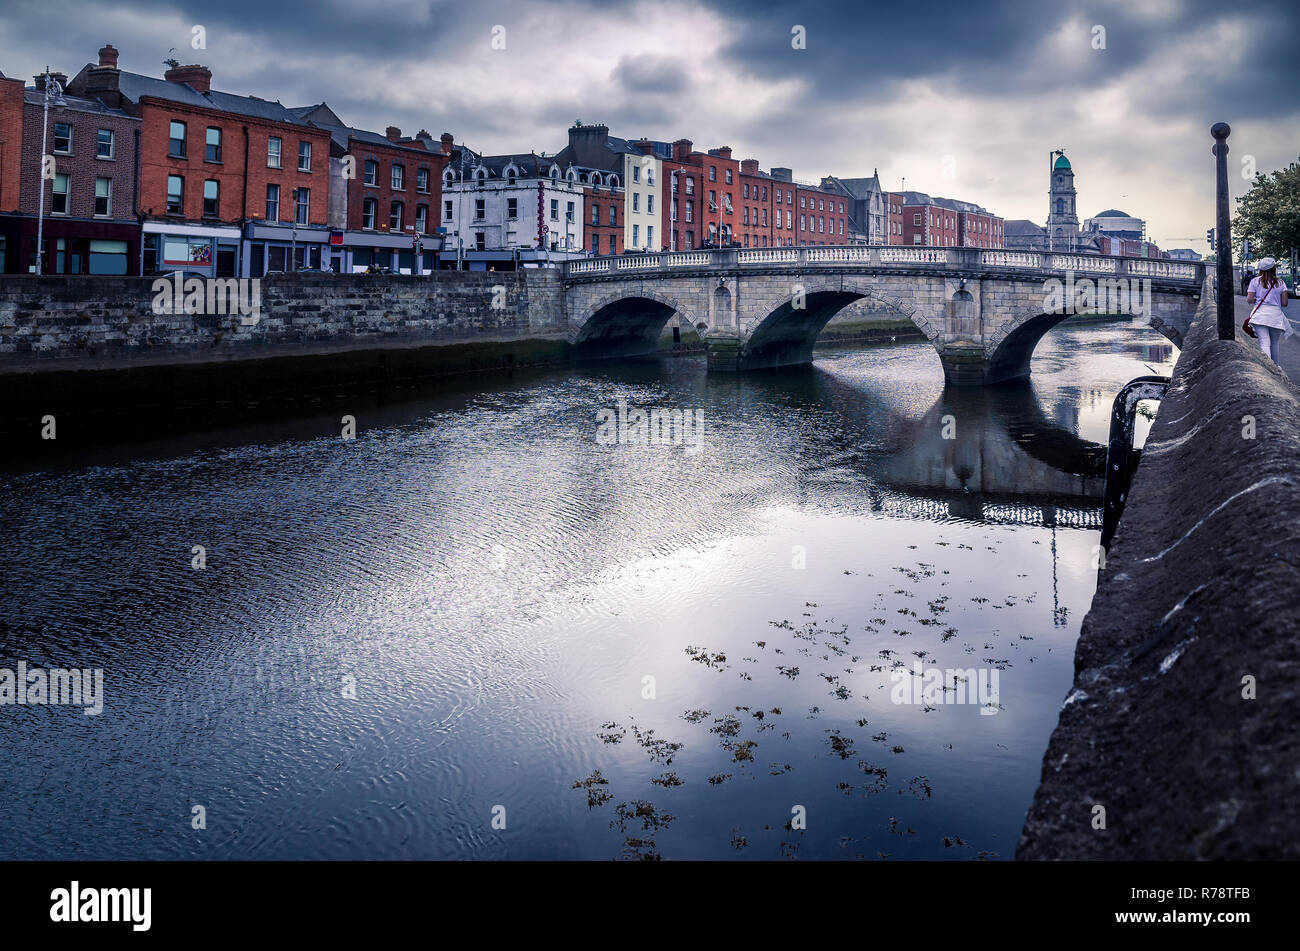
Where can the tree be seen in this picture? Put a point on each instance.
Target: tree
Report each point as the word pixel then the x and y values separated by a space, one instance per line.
pixel 1269 214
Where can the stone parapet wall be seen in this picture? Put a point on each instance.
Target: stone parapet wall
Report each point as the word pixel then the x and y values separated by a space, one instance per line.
pixel 1182 721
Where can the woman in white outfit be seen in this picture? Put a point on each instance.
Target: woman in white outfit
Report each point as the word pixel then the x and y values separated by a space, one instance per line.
pixel 1266 298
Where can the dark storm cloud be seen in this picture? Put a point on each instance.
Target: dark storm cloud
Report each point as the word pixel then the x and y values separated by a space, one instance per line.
pixel 856 49
pixel 649 75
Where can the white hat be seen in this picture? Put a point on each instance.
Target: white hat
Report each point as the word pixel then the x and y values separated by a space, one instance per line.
pixel 1267 264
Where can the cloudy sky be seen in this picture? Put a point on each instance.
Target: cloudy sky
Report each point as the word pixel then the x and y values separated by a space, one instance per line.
pixel 962 99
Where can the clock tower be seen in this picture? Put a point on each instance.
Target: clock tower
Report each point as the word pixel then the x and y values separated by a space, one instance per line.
pixel 1062 219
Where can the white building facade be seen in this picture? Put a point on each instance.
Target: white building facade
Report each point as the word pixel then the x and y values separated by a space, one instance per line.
pixel 494 203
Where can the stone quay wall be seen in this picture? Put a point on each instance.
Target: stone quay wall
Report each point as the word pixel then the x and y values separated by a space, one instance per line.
pixel 1182 730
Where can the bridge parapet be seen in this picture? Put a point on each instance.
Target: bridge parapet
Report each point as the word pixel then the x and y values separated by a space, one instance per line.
pixel 968 261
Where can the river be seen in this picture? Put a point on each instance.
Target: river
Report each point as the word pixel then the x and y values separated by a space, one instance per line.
pixel 479 630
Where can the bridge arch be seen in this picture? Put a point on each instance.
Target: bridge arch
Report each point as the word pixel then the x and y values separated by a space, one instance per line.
pixel 624 323
pixel 780 332
pixel 1010 348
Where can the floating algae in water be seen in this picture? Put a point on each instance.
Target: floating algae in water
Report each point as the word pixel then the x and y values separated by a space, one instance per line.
pixel 596 796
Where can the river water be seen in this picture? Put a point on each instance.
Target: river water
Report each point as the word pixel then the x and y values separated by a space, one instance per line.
pixel 479 630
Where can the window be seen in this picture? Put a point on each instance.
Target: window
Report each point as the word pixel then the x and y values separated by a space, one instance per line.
pixel 213 152
pixel 176 140
pixel 273 152
pixel 371 172
pixel 650 237
pixel 728 176
pixel 613 248
pixel 421 218
pixel 636 173
pixel 175 195
pixel 395 216
pixel 789 220
pixel 272 202
pixel 745 190
pixel 104 144
pixel 636 201
pixel 304 156
pixel 713 173
pixel 595 244
pixel 764 221
pixel 512 208
pixel 480 241
pixel 690 210
pixel 399 177
pixel 636 235
pixel 803 201
pixel 650 204
pixel 764 193
pixel 422 180
pixel 568 213
pixel 555 209
pixel 595 214
pixel 447 210
pixel 369 210
pixel 690 186
pixel 916 218
pixel 803 223
pixel 103 197
pixel 613 215
pixel 211 198
pixel 480 209
pixel 302 198
pixel 745 216
pixel 821 204
pixel 62 185
pixel 62 138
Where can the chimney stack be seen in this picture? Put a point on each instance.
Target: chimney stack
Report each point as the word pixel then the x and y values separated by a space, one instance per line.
pixel 393 134
pixel 198 77
pixel 682 149
pixel 724 152
pixel 749 166
pixel 446 141
pixel 101 81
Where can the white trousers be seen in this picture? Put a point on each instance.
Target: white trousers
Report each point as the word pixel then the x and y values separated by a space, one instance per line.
pixel 1270 341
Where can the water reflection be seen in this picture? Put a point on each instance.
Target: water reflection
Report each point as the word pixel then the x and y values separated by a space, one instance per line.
pixel 498 586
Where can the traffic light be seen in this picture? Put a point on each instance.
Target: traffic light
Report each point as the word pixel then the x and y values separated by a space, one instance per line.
pixel 1209 236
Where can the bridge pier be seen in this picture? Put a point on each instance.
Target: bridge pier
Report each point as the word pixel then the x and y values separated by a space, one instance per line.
pixel 964 364
pixel 723 350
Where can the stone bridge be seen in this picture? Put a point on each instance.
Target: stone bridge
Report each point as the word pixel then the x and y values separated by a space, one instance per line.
pixel 983 310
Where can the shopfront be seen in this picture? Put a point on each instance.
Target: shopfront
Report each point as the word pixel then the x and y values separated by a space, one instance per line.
pixel 280 248
pixel 72 246
pixel 201 250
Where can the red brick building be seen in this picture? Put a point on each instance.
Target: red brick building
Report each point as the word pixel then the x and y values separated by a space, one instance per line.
pixel 384 190
pixel 210 163
pixel 11 147
pixel 894 212
pixel 980 229
pixel 927 223
pixel 11 142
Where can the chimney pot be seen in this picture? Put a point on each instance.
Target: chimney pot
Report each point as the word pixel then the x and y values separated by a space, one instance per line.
pixel 108 56
pixel 447 139
pixel 392 133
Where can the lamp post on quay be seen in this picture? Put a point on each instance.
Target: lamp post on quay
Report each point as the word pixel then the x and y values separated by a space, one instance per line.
pixel 53 95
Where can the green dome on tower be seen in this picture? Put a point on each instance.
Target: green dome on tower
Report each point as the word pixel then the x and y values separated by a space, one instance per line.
pixel 1062 162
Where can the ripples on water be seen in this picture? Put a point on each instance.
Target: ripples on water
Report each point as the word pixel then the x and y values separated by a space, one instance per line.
pixel 500 587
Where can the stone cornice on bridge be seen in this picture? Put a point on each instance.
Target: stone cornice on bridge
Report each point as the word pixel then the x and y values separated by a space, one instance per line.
pixel 894 259
pixel 982 310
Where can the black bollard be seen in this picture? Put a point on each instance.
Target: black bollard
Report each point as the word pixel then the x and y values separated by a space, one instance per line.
pixel 1223 234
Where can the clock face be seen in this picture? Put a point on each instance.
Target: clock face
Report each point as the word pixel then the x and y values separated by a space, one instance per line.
pixel 1060 179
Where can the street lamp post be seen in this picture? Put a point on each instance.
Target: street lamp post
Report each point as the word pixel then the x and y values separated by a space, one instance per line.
pixel 1226 310
pixel 53 93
